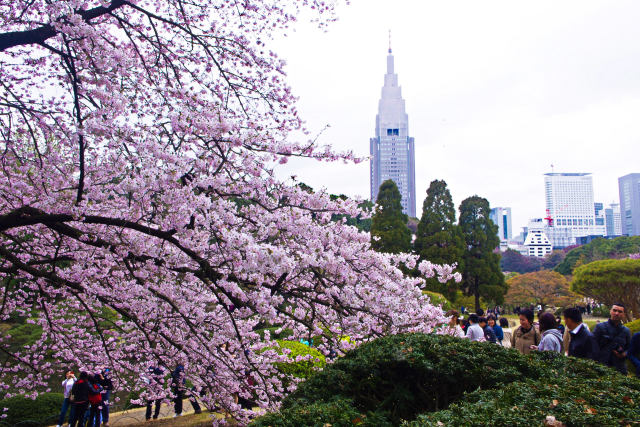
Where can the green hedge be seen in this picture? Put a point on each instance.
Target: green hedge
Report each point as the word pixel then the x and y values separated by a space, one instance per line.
pixel 23 412
pixel 302 368
pixel 429 379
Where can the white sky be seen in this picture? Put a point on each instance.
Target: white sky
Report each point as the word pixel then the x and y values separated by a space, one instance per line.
pixel 496 92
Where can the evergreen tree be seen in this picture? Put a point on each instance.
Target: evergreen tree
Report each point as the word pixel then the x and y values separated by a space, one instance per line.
pixel 481 275
pixel 389 231
pixel 439 239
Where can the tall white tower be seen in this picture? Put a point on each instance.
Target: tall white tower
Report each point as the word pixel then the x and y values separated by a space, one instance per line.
pixel 392 150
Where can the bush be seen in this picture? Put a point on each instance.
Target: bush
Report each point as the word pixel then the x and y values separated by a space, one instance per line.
pixel 431 379
pixel 300 368
pixel 23 412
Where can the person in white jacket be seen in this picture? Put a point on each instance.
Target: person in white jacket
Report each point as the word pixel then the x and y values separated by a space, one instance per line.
pixel 67 384
pixel 474 331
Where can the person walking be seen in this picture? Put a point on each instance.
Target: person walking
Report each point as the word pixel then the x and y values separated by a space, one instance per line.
pixel 497 329
pixel 474 331
pixel 67 385
pixel 79 398
pixel 551 337
pixel 178 385
pixel 153 380
pixel 525 335
pixel 581 341
pixel 613 339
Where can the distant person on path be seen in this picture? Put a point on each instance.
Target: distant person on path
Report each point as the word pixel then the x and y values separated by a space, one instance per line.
pixel 581 341
pixel 153 380
pixel 559 325
pixel 80 400
pixel 506 332
pixel 613 339
pixel 178 385
pixel 489 334
pixel 497 329
pixel 474 331
pixel 107 388
pixel 67 385
pixel 551 337
pixel 525 335
pixel 633 354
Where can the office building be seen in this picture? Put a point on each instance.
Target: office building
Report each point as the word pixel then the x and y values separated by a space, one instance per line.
pixel 537 243
pixel 613 220
pixel 570 208
pixel 502 218
pixel 629 187
pixel 392 149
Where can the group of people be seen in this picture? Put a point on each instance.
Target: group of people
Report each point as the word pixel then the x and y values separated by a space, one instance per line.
pixel 610 342
pixel 87 399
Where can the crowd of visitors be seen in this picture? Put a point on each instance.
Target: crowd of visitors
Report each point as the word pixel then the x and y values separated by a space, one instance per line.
pixel 610 343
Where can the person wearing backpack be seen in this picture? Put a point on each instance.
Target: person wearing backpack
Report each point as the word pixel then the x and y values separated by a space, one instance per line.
pixel 95 399
pixel 79 398
pixel 613 339
pixel 525 336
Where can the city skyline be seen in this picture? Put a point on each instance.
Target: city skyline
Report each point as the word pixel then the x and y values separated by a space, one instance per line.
pixel 497 93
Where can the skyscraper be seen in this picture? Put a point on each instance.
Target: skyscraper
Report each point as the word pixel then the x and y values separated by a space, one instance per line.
pixel 502 218
pixel 570 207
pixel 392 149
pixel 629 186
pixel 613 220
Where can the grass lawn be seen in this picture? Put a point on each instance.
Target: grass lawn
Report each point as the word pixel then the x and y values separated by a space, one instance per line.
pixel 193 420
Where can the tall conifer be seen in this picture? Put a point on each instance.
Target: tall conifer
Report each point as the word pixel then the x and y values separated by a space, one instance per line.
pixel 389 231
pixel 481 275
pixel 439 239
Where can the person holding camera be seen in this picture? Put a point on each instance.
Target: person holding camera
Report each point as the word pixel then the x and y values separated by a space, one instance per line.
pixel 67 385
pixel 613 339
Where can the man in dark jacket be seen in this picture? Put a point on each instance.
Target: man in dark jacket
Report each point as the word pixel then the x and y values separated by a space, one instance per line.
pixel 80 400
pixel 107 388
pixel 582 343
pixel 178 385
pixel 613 339
pixel 633 354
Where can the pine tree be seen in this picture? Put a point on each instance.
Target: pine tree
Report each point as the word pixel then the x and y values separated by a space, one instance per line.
pixel 439 239
pixel 389 231
pixel 481 274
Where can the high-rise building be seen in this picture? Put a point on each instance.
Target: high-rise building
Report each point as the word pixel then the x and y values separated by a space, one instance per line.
pixel 629 186
pixel 502 218
pixel 613 220
pixel 570 208
pixel 392 150
pixel 537 243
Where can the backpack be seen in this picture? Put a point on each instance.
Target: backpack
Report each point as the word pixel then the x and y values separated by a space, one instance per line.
pixel 94 394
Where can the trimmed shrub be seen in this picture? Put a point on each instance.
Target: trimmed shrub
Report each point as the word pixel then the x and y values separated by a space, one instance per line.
pixel 607 401
pixel 24 412
pixel 298 367
pixel 336 413
pixel 442 380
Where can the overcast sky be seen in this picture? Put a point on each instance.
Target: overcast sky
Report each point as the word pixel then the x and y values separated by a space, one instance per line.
pixel 496 92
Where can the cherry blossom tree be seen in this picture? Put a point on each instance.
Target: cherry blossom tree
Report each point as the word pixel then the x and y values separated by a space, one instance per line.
pixel 141 220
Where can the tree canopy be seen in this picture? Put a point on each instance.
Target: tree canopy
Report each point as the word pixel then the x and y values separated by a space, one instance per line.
pixel 610 281
pixel 598 249
pixel 540 287
pixel 141 220
pixel 481 274
pixel 438 238
pixel 389 231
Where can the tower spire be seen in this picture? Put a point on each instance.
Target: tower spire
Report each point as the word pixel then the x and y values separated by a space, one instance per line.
pixel 389 41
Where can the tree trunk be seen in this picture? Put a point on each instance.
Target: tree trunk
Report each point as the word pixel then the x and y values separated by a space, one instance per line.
pixel 476 291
